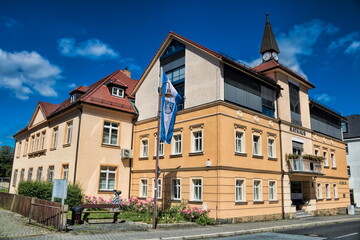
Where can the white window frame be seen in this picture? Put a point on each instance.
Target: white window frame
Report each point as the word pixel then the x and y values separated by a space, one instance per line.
pixel 159 192
pixel 242 190
pixel 177 144
pixel 39 173
pixel 117 92
pixel 143 187
pixel 335 191
pixel 30 173
pixel 239 141
pixel 258 144
pixel 51 173
pixel 259 188
pixel 15 177
pixel 55 137
pixel 43 139
pixel 65 173
pixel 22 174
pixel 69 130
pixel 272 190
pixel 144 147
pixel 37 142
pixel 32 143
pixel 161 147
pixel 26 146
pixel 197 141
pixel 325 156
pixel 327 191
pixel 271 148
pixel 111 127
pixel 195 188
pixel 18 152
pixel 332 159
pixel 319 191
pixel 72 98
pixel 107 171
pixel 178 188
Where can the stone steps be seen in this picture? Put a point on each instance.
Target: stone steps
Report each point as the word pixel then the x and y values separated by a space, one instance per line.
pixel 302 214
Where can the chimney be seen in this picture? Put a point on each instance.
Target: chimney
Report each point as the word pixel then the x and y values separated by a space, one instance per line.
pixel 127 72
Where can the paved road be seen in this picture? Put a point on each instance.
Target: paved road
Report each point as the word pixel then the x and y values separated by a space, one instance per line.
pixel 340 231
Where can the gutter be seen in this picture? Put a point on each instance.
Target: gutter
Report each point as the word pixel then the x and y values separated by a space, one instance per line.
pixel 77 143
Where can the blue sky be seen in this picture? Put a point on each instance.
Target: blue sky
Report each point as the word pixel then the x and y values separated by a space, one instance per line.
pixel 47 48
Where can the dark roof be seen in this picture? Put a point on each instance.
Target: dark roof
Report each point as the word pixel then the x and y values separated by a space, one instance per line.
pixel 267 66
pixel 268 43
pixel 353 122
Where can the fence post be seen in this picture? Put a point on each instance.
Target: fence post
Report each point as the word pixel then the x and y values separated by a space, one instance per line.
pixel 31 208
pixel 12 202
pixel 63 217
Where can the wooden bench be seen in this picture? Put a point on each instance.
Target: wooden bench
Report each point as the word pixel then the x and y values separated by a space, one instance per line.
pixel 112 208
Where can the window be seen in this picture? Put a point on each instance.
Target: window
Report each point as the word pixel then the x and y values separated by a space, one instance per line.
pixel 43 138
pixel 39 174
pixel 50 176
pixel 159 188
pixel 197 141
pixel 143 188
pixel 271 148
pixel 110 136
pixel 22 174
pixel 176 189
pixel 319 190
pixel 118 92
pixel 325 159
pixel 18 149
pixel 332 158
pixel 55 137
pixel 239 190
pixel 347 149
pixel 72 98
pixel 196 189
pixel 335 191
pixel 294 104
pixel 65 174
pixel 69 128
pixel 26 146
pixel 15 177
pixel 316 152
pixel 32 147
pixel 256 145
pixel 144 148
pixel 177 78
pixel 37 142
pixel 239 142
pixel 30 173
pixel 344 126
pixel 272 190
pixel 161 147
pixel 327 191
pixel 177 144
pixel 107 178
pixel 257 190
pixel 349 171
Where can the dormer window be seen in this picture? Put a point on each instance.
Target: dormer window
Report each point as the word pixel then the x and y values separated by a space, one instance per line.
pixel 118 92
pixel 73 98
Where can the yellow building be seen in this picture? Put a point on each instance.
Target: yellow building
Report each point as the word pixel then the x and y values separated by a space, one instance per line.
pixel 247 142
pixel 86 139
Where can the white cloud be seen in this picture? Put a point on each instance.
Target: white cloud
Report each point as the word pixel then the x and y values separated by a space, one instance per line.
pixel 92 48
pixel 299 43
pixel 350 43
pixel 130 63
pixel 71 85
pixel 324 98
pixel 24 73
pixel 11 23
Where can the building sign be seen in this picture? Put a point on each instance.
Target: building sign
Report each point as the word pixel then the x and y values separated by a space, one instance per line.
pixel 297 130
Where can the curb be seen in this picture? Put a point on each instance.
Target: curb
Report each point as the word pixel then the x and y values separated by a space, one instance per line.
pixel 258 230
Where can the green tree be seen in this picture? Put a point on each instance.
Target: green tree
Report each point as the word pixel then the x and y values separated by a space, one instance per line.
pixel 6 160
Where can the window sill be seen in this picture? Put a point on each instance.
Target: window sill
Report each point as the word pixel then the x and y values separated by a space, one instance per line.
pixel 160 157
pixel 328 199
pixel 320 199
pixel 195 201
pixel 241 203
pixel 176 200
pixel 258 202
pixel 37 153
pixel 196 154
pixel 336 198
pixel 110 146
pixel 241 154
pixel 326 166
pixel 272 158
pixel 24 155
pixel 105 191
pixel 258 156
pixel 176 155
pixel 273 201
pixel 334 168
pixel 143 158
pixel 66 145
pixel 53 148
pixel 141 197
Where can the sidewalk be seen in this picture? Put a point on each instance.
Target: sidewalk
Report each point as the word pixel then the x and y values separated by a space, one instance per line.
pixel 16 226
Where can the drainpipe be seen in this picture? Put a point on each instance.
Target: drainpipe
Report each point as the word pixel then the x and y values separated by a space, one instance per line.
pixel 281 162
pixel 77 142
pixel 130 159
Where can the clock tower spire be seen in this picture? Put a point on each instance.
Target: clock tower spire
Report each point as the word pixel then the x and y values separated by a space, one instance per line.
pixel 269 48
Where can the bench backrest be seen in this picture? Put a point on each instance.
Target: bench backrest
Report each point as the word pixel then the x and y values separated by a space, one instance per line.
pixel 100 205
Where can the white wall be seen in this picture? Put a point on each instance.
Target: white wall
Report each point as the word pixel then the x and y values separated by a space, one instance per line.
pixel 353 160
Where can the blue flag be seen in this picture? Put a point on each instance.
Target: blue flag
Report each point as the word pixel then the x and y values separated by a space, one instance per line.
pixel 168 109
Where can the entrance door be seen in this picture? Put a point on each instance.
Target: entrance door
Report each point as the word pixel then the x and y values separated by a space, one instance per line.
pixel 296 194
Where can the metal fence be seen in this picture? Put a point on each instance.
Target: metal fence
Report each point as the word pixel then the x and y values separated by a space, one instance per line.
pixel 41 211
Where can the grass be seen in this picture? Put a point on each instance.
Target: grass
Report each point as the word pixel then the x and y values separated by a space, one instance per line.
pixel 4 190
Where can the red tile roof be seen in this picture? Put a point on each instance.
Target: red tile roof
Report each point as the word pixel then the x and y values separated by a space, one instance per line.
pixel 48 108
pixel 266 66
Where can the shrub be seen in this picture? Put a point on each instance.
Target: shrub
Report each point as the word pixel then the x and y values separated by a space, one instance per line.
pixel 42 189
pixel 75 195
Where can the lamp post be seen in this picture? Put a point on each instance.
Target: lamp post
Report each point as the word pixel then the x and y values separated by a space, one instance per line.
pixel 157 170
